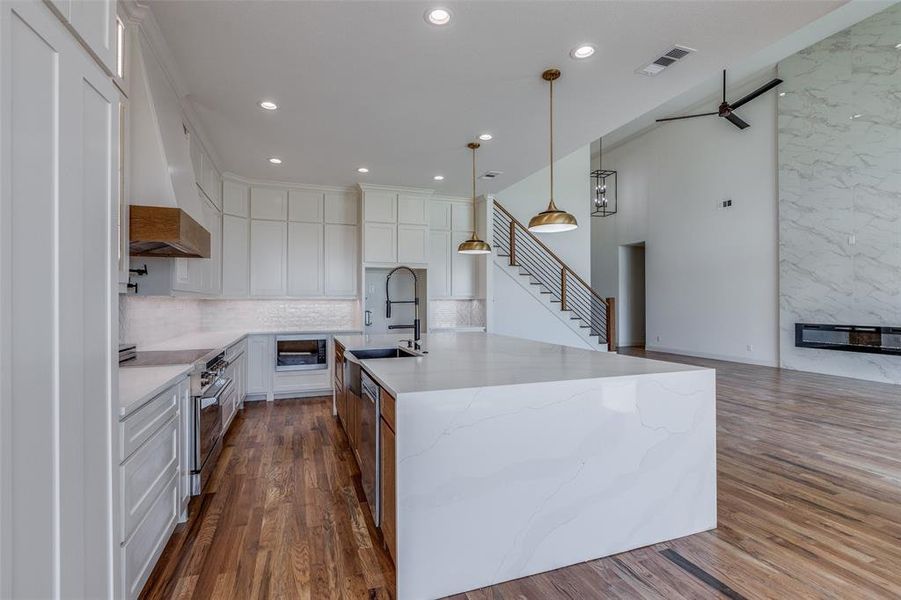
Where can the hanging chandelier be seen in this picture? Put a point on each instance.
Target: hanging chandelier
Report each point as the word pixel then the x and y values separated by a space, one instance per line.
pixel 474 245
pixel 603 204
pixel 552 220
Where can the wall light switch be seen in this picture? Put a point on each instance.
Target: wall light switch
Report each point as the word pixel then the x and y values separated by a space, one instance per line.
pixel 852 239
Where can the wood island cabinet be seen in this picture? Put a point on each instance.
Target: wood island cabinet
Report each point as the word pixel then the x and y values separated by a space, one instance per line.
pixel 340 394
pixel 388 489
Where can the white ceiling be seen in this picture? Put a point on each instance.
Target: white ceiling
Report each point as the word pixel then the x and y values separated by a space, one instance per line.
pixel 371 84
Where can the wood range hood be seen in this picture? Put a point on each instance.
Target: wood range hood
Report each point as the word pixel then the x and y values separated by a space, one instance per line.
pixel 161 231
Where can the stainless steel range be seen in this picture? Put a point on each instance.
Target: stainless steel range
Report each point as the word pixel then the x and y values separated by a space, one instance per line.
pixel 210 389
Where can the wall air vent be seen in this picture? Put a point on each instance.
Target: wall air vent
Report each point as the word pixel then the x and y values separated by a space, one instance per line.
pixel 490 174
pixel 668 58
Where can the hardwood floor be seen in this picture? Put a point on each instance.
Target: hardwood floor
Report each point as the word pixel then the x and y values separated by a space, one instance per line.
pixel 809 497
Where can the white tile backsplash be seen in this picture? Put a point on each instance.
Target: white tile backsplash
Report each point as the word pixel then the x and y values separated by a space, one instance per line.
pixel 445 314
pixel 150 319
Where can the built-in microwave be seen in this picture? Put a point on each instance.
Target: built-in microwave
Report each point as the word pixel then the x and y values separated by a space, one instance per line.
pixel 301 353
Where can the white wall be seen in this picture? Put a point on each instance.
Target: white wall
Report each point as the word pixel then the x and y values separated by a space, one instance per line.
pixel 530 196
pixel 711 273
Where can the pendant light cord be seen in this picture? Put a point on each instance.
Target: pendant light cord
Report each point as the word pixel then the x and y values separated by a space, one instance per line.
pixel 474 193
pixel 552 206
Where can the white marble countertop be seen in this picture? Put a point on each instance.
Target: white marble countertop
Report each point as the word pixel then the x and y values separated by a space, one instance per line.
pixel 472 360
pixel 138 385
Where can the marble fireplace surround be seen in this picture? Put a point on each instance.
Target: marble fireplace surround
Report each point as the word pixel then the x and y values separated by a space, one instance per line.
pixel 839 171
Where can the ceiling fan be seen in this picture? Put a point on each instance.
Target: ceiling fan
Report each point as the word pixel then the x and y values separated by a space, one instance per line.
pixel 725 109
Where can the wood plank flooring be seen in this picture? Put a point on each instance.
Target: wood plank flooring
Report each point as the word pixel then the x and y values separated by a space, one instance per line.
pixel 809 498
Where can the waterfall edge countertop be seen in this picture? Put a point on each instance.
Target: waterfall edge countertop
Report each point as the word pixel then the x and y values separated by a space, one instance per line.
pixel 467 360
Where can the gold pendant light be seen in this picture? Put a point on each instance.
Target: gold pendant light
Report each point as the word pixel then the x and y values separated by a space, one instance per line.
pixel 552 220
pixel 474 245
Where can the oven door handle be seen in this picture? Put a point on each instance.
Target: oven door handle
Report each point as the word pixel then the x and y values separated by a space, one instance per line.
pixel 207 401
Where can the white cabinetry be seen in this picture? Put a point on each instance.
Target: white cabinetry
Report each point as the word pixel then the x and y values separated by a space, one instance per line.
pixel 94 21
pixel 341 260
pixel 395 225
pixel 58 155
pixel 151 483
pixel 260 360
pixel 298 242
pixel 305 259
pixel 268 243
pixel 451 274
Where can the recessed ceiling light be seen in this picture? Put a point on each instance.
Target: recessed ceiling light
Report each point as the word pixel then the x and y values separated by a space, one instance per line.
pixel 438 177
pixel 268 105
pixel 485 137
pixel 583 51
pixel 781 94
pixel 275 161
pixel 898 46
pixel 362 170
pixel 438 16
pixel 857 116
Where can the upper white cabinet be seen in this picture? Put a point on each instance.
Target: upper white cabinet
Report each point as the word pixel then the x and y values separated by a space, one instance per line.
pixel 305 259
pixel 268 254
pixel 379 206
pixel 268 203
pixel 94 21
pixel 342 208
pixel 235 256
pixel 451 274
pixel 305 205
pixel 289 242
pixel 235 199
pixel 395 225
pixel 412 209
pixel 342 266
pixel 205 174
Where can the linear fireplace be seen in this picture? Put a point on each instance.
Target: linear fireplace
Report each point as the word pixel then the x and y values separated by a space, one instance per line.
pixel 849 338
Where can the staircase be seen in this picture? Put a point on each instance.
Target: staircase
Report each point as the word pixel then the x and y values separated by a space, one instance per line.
pixel 527 256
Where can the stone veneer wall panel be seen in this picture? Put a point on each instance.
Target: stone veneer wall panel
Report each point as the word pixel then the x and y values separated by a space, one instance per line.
pixel 840 193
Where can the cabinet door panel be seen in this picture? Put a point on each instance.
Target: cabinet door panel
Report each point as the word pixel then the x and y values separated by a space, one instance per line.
pixel 461 218
pixel 380 207
pixel 412 244
pixel 211 273
pixel 388 489
pixel 268 203
pixel 235 256
pixel 259 364
pixel 268 253
pixel 304 205
pixel 440 215
pixel 439 275
pixel 380 241
pixel 304 259
pixel 235 199
pixel 464 268
pixel 341 260
pixel 342 208
pixel 95 22
pixel 412 209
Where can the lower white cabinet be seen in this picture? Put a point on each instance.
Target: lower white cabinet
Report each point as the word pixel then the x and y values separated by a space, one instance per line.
pixel 150 483
pixel 259 363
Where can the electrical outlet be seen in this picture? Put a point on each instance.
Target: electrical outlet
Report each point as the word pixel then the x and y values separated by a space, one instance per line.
pixel 852 239
pixel 750 348
pixel 727 203
pixel 658 338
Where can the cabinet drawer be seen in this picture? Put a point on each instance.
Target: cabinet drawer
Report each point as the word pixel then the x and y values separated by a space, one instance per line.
pixel 139 426
pixel 145 473
pixel 388 409
pixel 300 381
pixel 140 553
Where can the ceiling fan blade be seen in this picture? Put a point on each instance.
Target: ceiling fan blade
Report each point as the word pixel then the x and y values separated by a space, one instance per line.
pixel 733 118
pixel 761 90
pixel 686 117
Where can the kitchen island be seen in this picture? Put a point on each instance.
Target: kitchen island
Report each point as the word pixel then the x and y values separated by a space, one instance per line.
pixel 506 457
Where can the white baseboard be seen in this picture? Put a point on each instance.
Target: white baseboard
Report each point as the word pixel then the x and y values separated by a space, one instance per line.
pixel 724 357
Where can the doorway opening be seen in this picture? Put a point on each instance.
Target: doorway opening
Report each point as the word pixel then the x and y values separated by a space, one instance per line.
pixel 631 302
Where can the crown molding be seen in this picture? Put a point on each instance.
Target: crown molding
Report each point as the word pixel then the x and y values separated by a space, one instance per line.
pixel 288 184
pixel 394 188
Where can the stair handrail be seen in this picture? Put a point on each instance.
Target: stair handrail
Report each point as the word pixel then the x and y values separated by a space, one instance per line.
pixel 608 303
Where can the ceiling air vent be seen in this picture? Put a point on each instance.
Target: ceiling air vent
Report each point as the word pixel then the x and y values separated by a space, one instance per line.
pixel 490 174
pixel 670 57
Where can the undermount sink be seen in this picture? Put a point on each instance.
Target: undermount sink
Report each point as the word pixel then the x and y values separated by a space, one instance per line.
pixel 381 353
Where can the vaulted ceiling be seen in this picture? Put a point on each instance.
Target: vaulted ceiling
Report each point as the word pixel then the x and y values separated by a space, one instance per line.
pixel 372 84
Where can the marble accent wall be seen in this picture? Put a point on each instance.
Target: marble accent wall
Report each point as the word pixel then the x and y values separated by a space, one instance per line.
pixel 840 192
pixel 150 319
pixel 452 314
